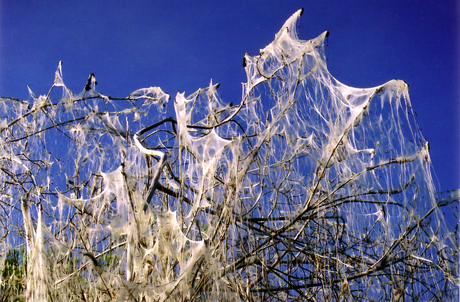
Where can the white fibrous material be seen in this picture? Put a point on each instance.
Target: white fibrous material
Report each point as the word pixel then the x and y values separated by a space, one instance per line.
pixel 304 190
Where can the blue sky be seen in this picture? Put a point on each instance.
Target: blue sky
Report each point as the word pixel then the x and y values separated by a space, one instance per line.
pixel 182 45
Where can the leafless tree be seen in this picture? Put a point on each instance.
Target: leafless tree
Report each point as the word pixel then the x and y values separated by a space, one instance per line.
pixel 304 190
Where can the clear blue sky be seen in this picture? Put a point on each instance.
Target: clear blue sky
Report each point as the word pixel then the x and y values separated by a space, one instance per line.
pixel 181 45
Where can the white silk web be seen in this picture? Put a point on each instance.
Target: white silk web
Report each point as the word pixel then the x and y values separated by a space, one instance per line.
pixel 306 189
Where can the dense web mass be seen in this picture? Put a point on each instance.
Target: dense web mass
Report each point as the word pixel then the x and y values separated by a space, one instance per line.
pixel 306 189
